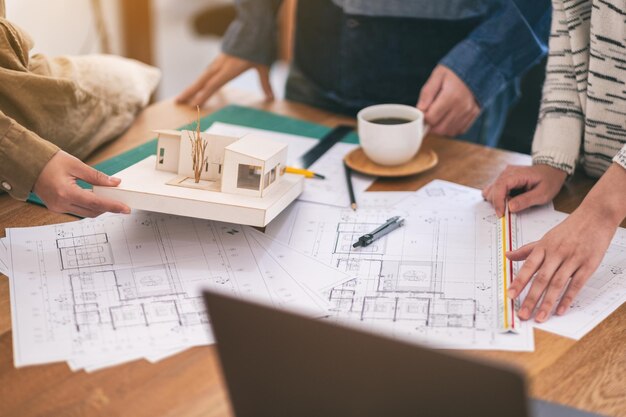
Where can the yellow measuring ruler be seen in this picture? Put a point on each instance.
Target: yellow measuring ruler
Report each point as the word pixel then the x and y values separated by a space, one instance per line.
pixel 506 236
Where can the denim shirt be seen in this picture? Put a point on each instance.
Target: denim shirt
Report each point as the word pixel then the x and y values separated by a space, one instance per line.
pixel 511 38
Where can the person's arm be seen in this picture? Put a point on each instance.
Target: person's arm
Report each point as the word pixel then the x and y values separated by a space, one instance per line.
pixel 556 144
pixel 30 163
pixel 502 48
pixel 250 42
pixel 253 34
pixel 565 258
pixel 23 155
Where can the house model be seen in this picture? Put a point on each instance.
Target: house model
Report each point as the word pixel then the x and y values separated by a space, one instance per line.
pixel 251 166
pixel 196 174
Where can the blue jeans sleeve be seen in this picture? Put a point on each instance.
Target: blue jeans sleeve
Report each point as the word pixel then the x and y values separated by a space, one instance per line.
pixel 252 35
pixel 510 41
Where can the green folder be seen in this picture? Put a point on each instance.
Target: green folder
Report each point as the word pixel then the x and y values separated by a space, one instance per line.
pixel 237 115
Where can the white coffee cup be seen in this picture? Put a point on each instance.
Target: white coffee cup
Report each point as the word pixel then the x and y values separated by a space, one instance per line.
pixel 391 144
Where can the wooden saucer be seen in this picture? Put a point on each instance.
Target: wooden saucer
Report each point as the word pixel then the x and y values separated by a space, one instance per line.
pixel 424 160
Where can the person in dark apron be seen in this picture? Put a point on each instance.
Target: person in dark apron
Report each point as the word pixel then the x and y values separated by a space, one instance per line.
pixel 347 58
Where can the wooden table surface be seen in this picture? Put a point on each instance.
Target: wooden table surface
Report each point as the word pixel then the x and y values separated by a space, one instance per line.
pixel 588 374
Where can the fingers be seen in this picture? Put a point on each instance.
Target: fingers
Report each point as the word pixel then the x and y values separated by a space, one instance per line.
pixel 501 188
pixel 92 176
pixel 522 253
pixel 561 277
pixel 469 120
pixel 533 262
pixel 447 126
pixel 438 110
pixel 81 211
pixel 209 88
pixel 96 204
pixel 533 197
pixel 455 122
pixel 486 191
pixel 576 284
pixel 542 279
pixel 194 88
pixel 264 78
pixel 431 89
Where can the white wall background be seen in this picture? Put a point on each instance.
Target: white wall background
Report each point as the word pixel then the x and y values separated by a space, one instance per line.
pixel 67 27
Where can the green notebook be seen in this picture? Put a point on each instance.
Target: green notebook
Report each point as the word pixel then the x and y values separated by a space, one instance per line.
pixel 238 115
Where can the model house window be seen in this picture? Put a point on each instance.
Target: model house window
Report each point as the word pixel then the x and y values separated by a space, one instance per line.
pixel 219 169
pixel 273 174
pixel 249 177
pixel 161 155
pixel 266 180
pixel 206 167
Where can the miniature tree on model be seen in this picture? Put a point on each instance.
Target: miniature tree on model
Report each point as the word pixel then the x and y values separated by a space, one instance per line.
pixel 198 151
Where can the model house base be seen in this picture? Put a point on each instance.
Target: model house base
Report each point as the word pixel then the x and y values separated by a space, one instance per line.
pixel 145 188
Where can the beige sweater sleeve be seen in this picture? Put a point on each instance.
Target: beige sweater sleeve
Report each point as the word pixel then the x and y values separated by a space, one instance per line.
pixel 559 131
pixel 620 158
pixel 23 154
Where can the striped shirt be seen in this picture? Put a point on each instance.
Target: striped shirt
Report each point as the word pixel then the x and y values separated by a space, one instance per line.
pixel 583 109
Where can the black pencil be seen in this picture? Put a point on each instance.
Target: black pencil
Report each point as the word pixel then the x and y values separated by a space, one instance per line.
pixel 350 189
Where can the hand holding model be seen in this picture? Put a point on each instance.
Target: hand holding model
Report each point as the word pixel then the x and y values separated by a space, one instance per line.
pixel 57 188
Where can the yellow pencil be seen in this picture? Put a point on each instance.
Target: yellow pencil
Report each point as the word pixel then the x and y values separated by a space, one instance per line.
pixel 305 172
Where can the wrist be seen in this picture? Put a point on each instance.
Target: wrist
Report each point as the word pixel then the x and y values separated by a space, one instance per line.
pixel 607 199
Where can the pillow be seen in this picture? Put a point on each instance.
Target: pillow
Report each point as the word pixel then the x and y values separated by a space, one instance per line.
pixel 105 94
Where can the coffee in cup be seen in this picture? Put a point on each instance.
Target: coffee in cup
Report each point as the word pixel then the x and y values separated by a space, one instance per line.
pixel 391 134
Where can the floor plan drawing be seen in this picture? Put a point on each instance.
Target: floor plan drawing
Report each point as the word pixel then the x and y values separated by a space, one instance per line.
pixel 118 285
pixel 432 281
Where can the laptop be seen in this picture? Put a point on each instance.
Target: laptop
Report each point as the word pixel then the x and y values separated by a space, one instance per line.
pixel 283 364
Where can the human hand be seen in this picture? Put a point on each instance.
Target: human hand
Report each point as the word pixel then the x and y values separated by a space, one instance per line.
pixel 541 183
pixel 223 69
pixel 448 104
pixel 57 188
pixel 573 249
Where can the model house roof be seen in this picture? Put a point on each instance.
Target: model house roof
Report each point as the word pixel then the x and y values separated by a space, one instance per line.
pixel 168 132
pixel 257 147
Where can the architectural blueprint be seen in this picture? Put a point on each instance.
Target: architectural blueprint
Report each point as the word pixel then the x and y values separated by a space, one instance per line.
pixel 605 291
pixel 432 281
pixel 331 191
pixel 121 287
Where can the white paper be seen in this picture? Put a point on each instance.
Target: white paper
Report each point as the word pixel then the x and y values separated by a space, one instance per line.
pixel 4 257
pixel 331 191
pixel 431 281
pixel 98 290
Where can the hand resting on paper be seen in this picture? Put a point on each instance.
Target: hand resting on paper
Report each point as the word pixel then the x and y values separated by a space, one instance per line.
pixel 223 69
pixel 448 104
pixel 560 263
pixel 541 183
pixel 57 188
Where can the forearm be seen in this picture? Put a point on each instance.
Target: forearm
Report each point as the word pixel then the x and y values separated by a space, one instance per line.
pixel 252 36
pixel 23 155
pixel 607 199
pixel 560 127
pixel 502 48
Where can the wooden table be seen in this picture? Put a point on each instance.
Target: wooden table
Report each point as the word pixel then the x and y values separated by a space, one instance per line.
pixel 588 374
